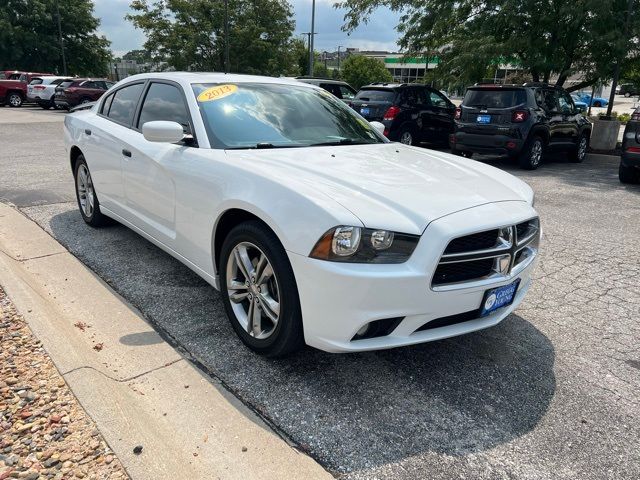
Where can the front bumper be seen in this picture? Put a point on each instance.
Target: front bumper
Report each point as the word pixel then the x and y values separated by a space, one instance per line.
pixel 337 299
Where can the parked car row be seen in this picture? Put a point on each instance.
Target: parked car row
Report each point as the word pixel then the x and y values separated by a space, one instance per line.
pixel 629 171
pixel 48 90
pixel 520 121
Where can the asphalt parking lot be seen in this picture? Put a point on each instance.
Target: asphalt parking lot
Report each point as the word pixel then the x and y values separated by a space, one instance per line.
pixel 551 392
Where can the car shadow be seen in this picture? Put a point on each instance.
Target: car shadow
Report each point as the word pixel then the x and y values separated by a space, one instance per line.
pixel 351 412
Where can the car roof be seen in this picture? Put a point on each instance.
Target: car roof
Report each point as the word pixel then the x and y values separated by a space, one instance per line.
pixel 391 86
pixel 319 80
pixel 186 78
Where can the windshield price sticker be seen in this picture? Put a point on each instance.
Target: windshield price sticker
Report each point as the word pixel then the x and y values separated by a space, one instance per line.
pixel 217 92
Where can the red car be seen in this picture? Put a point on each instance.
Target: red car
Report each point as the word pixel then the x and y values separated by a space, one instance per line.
pixel 80 90
pixel 13 89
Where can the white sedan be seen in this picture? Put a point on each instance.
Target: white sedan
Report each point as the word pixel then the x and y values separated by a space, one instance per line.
pixel 315 228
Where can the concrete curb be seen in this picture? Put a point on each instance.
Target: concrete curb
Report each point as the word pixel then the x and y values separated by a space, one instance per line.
pixel 135 386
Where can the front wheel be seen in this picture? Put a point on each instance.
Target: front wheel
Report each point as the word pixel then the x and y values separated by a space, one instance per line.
pixel 259 290
pixel 86 195
pixel 578 155
pixel 531 156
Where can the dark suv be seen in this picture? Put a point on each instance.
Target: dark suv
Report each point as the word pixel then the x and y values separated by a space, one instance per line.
pixel 520 121
pixel 629 171
pixel 80 90
pixel 340 89
pixel 411 113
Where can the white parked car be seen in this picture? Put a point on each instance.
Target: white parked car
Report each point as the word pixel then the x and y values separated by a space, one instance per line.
pixel 315 228
pixel 42 89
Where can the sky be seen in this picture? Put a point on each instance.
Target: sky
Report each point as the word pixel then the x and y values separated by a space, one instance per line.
pixel 378 34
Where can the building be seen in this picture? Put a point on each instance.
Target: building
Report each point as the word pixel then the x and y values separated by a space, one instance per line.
pixel 404 69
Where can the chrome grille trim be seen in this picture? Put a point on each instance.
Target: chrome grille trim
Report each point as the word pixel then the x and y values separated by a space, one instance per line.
pixel 507 250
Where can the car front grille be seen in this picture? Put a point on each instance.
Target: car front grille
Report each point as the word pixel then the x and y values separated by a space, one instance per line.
pixel 490 254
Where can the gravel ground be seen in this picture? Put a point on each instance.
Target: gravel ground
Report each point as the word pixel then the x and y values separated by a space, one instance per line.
pixel 44 432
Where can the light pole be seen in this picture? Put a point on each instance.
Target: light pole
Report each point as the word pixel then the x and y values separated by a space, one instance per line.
pixel 313 20
pixel 64 58
pixel 339 47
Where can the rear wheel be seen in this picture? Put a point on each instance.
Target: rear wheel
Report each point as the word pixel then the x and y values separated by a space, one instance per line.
pixel 407 136
pixel 580 152
pixel 259 290
pixel 86 195
pixel 532 155
pixel 628 174
pixel 85 100
pixel 14 99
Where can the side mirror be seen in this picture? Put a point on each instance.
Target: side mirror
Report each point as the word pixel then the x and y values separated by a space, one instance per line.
pixel 162 132
pixel 378 126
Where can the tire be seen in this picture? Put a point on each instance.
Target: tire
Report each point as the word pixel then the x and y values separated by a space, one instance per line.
pixel 531 156
pixel 253 240
pixel 85 192
pixel 45 106
pixel 14 100
pixel 578 154
pixel 407 136
pixel 85 100
pixel 628 174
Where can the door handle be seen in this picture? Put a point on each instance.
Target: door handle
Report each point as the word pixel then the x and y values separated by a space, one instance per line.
pixel 87 131
pixel 126 152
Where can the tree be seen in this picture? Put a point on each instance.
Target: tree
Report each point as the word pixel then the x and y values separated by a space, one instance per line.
pixel 139 56
pixel 189 34
pixel 358 70
pixel 544 37
pixel 29 37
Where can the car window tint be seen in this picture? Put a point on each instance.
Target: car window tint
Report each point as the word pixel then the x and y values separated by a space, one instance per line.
pixel 35 81
pixel 101 85
pixel 124 102
pixel 89 85
pixel 66 83
pixel 164 102
pixel 110 84
pixel 550 100
pixel 347 93
pixel 409 96
pixel 106 105
pixel 57 81
pixel 498 98
pixel 437 100
pixel 373 95
pixel 565 102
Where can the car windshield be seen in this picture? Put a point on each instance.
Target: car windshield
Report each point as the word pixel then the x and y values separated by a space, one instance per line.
pixel 265 115
pixel 494 98
pixel 376 95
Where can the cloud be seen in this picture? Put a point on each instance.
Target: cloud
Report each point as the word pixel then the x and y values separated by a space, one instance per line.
pixel 378 34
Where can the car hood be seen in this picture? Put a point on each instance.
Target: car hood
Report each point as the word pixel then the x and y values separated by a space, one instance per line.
pixel 390 186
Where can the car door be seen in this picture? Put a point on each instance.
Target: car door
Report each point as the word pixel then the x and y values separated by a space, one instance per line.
pixel 105 141
pixel 570 115
pixel 554 117
pixel 148 169
pixel 443 112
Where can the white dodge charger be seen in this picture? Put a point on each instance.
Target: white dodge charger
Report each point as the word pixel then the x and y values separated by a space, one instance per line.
pixel 315 228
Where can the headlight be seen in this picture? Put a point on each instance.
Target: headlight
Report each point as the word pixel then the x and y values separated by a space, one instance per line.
pixel 364 245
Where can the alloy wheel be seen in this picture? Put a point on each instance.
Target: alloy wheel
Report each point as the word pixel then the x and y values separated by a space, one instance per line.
pixel 86 195
pixel 406 138
pixel 253 290
pixel 15 100
pixel 536 153
pixel 582 148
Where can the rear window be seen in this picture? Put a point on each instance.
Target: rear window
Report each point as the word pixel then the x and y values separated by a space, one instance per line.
pixel 498 98
pixel 35 81
pixel 376 95
pixel 67 83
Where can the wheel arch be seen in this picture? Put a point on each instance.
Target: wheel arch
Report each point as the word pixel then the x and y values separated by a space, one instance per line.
pixel 74 153
pixel 226 221
pixel 541 132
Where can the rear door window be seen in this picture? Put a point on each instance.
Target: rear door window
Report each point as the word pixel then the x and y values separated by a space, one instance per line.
pixel 35 81
pixel 346 93
pixel 123 105
pixel 437 100
pixel 373 95
pixel 498 98
pixel 164 102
